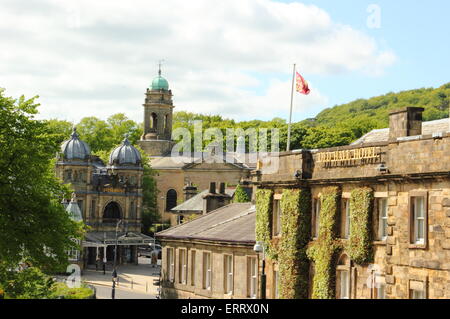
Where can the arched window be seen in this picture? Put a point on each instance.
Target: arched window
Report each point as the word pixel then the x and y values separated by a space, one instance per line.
pixel 112 211
pixel 132 210
pixel 153 121
pixel 171 199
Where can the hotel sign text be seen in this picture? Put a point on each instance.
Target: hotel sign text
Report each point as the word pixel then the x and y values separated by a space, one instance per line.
pixel 353 157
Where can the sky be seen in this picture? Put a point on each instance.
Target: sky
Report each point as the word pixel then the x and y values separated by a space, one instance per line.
pixel 233 58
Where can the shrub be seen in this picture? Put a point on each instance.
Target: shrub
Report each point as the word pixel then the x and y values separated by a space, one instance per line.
pixel 61 290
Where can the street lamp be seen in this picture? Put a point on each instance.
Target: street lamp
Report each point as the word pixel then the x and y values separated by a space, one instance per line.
pixel 114 273
pixel 260 248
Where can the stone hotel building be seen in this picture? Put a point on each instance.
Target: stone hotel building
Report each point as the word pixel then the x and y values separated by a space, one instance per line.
pixel 377 215
pixel 369 220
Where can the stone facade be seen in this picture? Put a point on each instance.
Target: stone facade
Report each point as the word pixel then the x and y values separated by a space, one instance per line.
pixel 200 175
pixel 409 173
pixel 194 287
pixel 106 194
pixel 171 176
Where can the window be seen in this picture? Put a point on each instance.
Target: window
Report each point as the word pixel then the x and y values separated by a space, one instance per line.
pixel 93 208
pixel 252 276
pixel 112 211
pixel 345 230
pixel 132 210
pixel 418 222
pixel 67 175
pixel 379 284
pixel 182 271
pixel 343 271
pixel 416 294
pixel 74 253
pixel 344 284
pixel 171 264
pixel 153 121
pixel 228 272
pixel 80 204
pixel 417 289
pixel 171 199
pixel 316 218
pixel 382 219
pixel 276 217
pixel 207 271
pixel 193 268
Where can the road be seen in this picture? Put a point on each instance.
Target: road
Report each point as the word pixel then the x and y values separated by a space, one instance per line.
pixel 104 292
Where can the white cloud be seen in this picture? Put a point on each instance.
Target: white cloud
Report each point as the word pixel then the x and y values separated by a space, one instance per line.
pixel 95 58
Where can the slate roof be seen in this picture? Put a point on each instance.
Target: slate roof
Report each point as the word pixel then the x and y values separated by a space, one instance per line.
pixel 382 135
pixel 167 162
pixel 234 223
pixel 195 203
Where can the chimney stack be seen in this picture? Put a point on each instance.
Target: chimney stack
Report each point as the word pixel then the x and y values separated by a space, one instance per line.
pixel 212 188
pixel 222 188
pixel 405 122
pixel 213 200
pixel 189 191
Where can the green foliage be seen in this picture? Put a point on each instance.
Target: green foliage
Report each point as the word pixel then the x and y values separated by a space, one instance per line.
pixel 359 244
pixel 264 206
pixel 34 225
pixel 150 214
pixel 30 283
pixel 240 196
pixel 292 258
pixel 190 218
pixel 323 251
pixel 335 126
pixel 157 227
pixel 101 135
pixel 61 290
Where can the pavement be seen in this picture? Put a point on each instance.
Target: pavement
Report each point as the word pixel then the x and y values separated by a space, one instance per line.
pixel 132 279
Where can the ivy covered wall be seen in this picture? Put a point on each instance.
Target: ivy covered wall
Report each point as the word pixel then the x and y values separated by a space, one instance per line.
pixel 325 249
pixel 295 230
pixel 359 246
pixel 264 206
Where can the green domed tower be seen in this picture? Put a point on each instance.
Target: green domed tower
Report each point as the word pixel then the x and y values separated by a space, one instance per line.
pixel 158 112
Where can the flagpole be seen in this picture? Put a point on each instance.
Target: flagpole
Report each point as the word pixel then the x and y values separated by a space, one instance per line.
pixel 288 147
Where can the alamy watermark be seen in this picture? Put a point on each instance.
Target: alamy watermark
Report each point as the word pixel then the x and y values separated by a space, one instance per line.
pixel 374 18
pixel 250 146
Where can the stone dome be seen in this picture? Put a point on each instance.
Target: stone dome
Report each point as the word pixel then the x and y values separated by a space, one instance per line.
pixel 74 148
pixel 125 154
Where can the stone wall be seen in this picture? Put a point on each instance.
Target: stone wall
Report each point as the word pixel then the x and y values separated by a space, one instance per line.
pixel 175 289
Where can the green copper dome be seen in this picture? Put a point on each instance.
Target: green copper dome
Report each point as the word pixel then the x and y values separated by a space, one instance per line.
pixel 160 83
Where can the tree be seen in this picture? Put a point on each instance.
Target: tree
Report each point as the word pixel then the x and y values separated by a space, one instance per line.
pixel 150 214
pixel 240 196
pixel 34 225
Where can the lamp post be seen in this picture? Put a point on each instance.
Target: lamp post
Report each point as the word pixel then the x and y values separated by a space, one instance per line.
pixel 259 247
pixel 114 273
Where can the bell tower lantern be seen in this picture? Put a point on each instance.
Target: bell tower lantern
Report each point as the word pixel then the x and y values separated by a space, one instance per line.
pixel 158 112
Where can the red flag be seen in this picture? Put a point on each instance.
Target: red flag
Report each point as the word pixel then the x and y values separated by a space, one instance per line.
pixel 302 85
